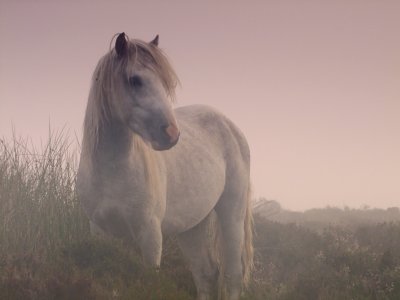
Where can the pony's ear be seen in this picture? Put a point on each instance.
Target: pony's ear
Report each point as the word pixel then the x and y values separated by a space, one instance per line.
pixel 154 42
pixel 121 45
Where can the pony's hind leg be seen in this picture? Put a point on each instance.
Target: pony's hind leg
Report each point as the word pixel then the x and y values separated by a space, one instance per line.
pixel 197 247
pixel 231 211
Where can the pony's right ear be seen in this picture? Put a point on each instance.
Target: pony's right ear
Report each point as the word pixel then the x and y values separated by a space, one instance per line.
pixel 121 45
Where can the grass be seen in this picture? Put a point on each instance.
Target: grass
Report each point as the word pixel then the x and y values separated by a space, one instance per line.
pixel 47 252
pixel 39 211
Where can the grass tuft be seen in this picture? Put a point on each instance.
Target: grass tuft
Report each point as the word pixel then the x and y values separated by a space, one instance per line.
pixel 39 210
pixel 46 251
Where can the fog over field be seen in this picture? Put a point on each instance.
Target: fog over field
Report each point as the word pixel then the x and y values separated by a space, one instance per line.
pixel 314 85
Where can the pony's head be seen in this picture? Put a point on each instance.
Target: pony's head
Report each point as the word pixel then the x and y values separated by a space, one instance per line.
pixel 133 85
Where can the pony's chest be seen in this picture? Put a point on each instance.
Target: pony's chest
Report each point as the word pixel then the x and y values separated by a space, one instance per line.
pixel 120 184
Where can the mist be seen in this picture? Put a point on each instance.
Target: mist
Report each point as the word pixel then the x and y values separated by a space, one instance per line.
pixel 313 86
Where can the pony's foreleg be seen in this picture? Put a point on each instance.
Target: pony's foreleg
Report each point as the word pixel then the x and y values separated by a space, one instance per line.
pixel 196 247
pixel 150 241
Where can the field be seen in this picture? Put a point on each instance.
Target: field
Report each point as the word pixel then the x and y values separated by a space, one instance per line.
pixel 46 251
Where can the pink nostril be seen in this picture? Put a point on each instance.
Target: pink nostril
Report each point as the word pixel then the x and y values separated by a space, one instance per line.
pixel 173 132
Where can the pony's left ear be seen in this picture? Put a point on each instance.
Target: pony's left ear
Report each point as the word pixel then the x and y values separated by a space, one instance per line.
pixel 121 45
pixel 154 42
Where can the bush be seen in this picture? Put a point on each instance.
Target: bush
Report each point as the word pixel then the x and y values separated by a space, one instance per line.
pixel 338 264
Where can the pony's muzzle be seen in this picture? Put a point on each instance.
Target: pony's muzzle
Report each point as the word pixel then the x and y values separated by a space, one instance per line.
pixel 171 132
pixel 169 137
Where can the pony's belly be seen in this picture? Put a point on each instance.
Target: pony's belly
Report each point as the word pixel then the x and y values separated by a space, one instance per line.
pixel 178 224
pixel 191 202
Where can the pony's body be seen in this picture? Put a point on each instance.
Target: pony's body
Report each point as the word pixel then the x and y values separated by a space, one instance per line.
pixel 130 190
pixel 202 158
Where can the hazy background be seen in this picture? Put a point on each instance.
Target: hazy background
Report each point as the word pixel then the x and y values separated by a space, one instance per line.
pixel 314 85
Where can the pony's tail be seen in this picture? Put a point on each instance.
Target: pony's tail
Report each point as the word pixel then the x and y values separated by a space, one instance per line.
pixel 248 251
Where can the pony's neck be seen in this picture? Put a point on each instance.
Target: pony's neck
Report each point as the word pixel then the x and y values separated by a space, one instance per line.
pixel 115 141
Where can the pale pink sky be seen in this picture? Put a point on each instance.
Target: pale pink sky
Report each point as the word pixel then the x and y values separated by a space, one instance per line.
pixel 314 85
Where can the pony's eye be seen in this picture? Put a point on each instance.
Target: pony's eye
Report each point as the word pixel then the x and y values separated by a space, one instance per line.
pixel 135 81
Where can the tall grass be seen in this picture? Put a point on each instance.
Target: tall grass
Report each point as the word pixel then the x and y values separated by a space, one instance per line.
pixel 39 211
pixel 46 251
